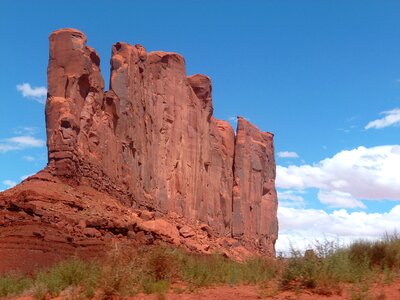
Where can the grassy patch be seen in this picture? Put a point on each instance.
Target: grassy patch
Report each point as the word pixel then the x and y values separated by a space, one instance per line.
pixel 71 273
pixel 11 284
pixel 157 269
pixel 324 268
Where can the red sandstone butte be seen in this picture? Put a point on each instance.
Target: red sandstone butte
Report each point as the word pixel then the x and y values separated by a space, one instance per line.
pixel 149 143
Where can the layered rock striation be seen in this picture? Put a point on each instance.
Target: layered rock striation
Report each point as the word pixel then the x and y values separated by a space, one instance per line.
pixel 151 141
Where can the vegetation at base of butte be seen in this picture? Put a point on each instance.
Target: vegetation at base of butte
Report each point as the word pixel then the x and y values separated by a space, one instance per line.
pixel 326 270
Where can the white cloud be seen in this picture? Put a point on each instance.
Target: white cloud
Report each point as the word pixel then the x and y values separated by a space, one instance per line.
pixel 25 176
pixel 392 118
pixel 363 173
pixel 233 119
pixel 302 227
pixel 36 93
pixel 9 183
pixel 287 154
pixel 291 198
pixel 290 195
pixel 26 130
pixel 300 177
pixel 28 158
pixel 26 141
pixel 339 199
pixel 20 142
pixel 6 147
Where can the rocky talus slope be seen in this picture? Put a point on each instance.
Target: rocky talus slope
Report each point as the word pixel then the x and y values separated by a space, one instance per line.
pixel 143 162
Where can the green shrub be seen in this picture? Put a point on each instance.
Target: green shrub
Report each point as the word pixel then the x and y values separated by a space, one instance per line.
pixel 155 287
pixel 154 269
pixel 257 270
pixel 11 285
pixel 160 263
pixel 201 270
pixel 325 267
pixel 300 271
pixel 378 254
pixel 359 252
pixel 121 273
pixel 70 273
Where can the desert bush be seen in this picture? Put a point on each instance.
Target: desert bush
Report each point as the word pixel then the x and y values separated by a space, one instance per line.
pixel 324 267
pixel 153 269
pixel 159 287
pixel 160 263
pixel 326 248
pixel 127 271
pixel 378 254
pixel 204 270
pixel 70 273
pixel 121 273
pixel 359 252
pixel 12 284
pixel 300 271
pixel 258 270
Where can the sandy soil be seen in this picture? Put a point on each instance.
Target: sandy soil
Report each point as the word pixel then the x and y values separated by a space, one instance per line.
pixel 250 292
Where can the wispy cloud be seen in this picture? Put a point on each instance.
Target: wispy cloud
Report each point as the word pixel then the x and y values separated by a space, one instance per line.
pixel 36 93
pixel 20 142
pixel 351 119
pixel 26 141
pixel 290 195
pixel 25 176
pixel 287 154
pixel 28 158
pixel 391 118
pixel 233 119
pixel 339 199
pixel 9 183
pixel 26 130
pixel 291 198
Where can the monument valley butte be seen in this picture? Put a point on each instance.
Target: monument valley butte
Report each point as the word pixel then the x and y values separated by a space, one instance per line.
pixel 142 176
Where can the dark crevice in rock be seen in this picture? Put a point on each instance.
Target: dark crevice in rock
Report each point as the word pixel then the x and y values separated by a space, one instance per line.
pixel 95 58
pixel 84 85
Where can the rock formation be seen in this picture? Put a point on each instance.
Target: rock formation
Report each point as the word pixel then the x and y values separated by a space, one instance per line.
pixel 149 143
pixel 254 195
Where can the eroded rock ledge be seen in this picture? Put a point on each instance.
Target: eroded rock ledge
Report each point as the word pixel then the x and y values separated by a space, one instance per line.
pixel 150 143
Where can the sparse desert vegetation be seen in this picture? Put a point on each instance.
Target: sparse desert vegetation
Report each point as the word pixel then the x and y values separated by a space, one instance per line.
pixel 325 270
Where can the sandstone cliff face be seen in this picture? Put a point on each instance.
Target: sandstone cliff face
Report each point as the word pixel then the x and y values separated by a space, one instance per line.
pixel 152 140
pixel 152 143
pixel 254 195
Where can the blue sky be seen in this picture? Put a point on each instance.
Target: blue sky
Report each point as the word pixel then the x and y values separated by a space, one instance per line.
pixel 323 76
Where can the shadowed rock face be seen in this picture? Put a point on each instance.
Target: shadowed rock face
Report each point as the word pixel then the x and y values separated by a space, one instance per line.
pixel 152 143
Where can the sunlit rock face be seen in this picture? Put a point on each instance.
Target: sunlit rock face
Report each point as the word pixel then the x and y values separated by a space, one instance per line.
pixel 151 140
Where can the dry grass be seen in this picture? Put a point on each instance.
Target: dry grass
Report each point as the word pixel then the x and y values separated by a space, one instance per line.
pixel 328 266
pixel 157 269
